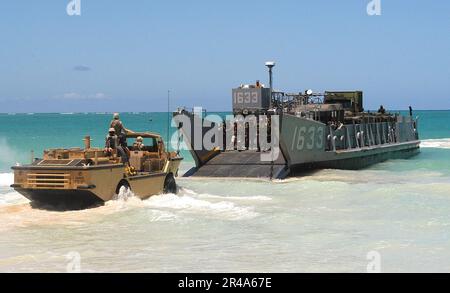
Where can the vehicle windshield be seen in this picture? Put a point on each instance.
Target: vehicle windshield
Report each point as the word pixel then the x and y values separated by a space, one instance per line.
pixel 149 144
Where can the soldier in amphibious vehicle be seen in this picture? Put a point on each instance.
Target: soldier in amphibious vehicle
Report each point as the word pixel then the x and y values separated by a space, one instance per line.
pixel 112 144
pixel 138 144
pixel 76 178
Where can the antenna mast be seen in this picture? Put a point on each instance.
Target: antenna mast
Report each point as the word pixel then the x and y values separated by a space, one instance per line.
pixel 270 65
pixel 168 119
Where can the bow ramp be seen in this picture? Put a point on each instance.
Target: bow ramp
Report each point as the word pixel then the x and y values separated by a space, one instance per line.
pixel 245 164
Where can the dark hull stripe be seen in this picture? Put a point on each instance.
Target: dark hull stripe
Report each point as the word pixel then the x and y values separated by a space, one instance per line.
pixel 356 163
pixel 53 199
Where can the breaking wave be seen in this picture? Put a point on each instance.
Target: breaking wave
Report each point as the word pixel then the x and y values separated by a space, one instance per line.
pixel 240 198
pixel 170 207
pixel 8 155
pixel 225 210
pixel 10 198
pixel 441 143
pixel 164 207
pixel 6 179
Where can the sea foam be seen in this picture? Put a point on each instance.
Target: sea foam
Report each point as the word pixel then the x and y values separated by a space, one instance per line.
pixel 441 143
pixel 6 179
pixel 185 203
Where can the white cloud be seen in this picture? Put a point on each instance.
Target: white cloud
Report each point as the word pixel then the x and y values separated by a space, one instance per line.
pixel 71 96
pixel 99 96
pixel 82 68
pixel 78 96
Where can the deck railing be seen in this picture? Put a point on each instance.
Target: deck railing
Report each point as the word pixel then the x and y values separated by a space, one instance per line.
pixel 362 135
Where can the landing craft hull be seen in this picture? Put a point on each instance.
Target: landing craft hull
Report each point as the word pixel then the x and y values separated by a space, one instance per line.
pixel 221 166
pixel 305 145
pixel 365 159
pixel 300 131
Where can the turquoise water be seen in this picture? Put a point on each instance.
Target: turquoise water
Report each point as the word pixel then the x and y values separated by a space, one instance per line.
pixel 325 222
pixel 21 133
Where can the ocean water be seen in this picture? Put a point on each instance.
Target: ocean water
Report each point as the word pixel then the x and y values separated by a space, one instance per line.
pixel 328 221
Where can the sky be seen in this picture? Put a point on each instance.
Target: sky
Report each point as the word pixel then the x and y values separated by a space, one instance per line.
pixel 125 55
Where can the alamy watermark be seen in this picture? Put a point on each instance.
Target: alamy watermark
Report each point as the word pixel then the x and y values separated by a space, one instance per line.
pixel 74 264
pixel 74 8
pixel 374 8
pixel 255 133
pixel 374 265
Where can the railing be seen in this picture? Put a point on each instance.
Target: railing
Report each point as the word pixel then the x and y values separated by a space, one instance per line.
pixel 351 136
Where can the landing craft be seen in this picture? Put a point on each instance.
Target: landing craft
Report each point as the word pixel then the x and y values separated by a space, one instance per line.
pixel 76 178
pixel 306 131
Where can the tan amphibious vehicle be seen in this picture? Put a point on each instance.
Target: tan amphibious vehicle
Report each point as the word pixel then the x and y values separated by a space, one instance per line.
pixel 80 178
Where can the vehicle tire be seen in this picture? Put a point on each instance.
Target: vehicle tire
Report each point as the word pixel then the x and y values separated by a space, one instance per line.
pixel 170 185
pixel 121 184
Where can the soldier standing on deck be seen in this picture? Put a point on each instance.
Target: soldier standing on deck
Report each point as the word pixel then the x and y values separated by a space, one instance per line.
pixel 112 143
pixel 120 130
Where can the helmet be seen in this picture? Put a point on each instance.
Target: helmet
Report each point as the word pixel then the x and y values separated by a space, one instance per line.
pixel 139 139
pixel 112 130
pixel 116 116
